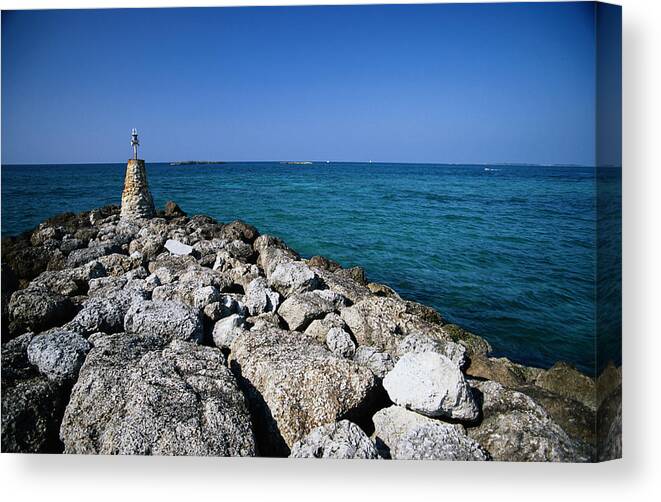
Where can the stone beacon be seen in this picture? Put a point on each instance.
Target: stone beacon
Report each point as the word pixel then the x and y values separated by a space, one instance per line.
pixel 137 202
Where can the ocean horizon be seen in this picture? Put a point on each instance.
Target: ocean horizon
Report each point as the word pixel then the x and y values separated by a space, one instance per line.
pixel 507 251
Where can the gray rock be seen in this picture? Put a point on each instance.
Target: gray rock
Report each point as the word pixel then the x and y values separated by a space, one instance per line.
pixel 117 264
pixel 79 257
pixel 106 313
pixel 70 282
pixel 340 343
pixel 58 354
pixel 295 384
pixel 204 296
pixel 421 342
pixel 431 384
pixel 260 298
pixel 135 397
pixel 406 435
pixel 166 319
pixel 299 310
pixel 289 278
pixel 342 439
pixel 38 309
pixel 318 329
pixel 515 428
pixel 178 248
pixel 227 329
pixel 380 363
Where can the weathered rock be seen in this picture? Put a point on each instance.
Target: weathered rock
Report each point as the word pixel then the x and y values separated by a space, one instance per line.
pixel 168 267
pixel 178 248
pixel 299 310
pixel 268 319
pixel 167 320
pixel 38 309
pixel 137 202
pixel 26 261
pixel 227 329
pixel 473 343
pixel 567 381
pixel 32 405
pixel 343 285
pixel 515 428
pixel 382 290
pixel 289 278
pixel 405 435
pixel 260 298
pixel 240 230
pixel 420 342
pixel 294 384
pixel 172 210
pixel 58 354
pixel 356 274
pixel 380 363
pixel 205 296
pixel 70 282
pixel 340 343
pixel 134 398
pixel 117 264
pixel 431 384
pixel 500 370
pixel 318 329
pixel 79 257
pixel 323 262
pixel 342 439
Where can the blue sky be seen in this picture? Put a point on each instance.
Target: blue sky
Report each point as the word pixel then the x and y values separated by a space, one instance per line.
pixel 434 83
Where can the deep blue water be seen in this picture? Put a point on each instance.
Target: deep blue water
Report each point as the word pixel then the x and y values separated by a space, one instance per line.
pixel 509 253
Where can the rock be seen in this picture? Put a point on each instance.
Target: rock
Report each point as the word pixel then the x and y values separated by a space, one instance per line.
pixel 166 319
pixel 431 384
pixel 380 363
pixel 178 248
pixel 610 447
pixel 294 384
pixel 473 343
pixel 343 285
pixel 318 329
pixel 289 278
pixel 117 264
pixel 567 381
pixel 342 439
pixel 420 342
pixel 204 296
pixel 227 329
pixel 340 343
pixel 169 267
pixel 515 428
pixel 26 262
pixel 382 290
pixel 260 298
pixel 299 310
pixel 70 282
pixel 405 435
pixel 500 370
pixel 323 262
pixel 32 405
pixel 356 274
pixel 38 309
pixel 135 398
pixel 240 230
pixel 68 245
pixel 172 210
pixel 268 319
pixel 272 251
pixel 79 257
pixel 240 250
pixel 227 304
pixel 58 354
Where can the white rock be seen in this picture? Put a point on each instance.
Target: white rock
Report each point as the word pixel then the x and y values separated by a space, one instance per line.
pixel 343 439
pixel 431 384
pixel 380 363
pixel 178 248
pixel 260 298
pixel 340 342
pixel 227 329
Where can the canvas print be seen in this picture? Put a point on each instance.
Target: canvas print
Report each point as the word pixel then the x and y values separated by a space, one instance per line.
pixel 385 232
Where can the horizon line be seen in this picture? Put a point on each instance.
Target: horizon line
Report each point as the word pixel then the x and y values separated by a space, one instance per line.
pixel 202 162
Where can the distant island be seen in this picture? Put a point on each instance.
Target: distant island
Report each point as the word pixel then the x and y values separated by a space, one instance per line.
pixel 195 162
pixel 297 162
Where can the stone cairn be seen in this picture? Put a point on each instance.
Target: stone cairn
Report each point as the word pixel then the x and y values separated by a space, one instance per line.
pixel 137 202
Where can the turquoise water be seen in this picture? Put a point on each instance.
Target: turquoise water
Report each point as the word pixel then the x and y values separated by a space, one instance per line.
pixel 508 252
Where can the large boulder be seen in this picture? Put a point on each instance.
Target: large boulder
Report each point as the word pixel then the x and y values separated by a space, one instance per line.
pixel 567 381
pixel 79 257
pixel 405 435
pixel 240 230
pixel 58 354
pixel 38 309
pixel 293 277
pixel 420 342
pixel 32 405
pixel 299 310
pixel 167 319
pixel 515 428
pixel 295 384
pixel 431 384
pixel 342 439
pixel 70 282
pixel 134 397
pixel 106 313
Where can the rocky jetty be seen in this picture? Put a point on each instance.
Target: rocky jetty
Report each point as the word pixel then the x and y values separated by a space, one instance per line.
pixel 158 333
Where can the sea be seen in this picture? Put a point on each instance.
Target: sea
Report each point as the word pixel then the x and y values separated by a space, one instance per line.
pixel 508 252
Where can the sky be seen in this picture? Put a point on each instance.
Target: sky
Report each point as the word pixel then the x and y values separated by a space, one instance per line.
pixel 490 83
